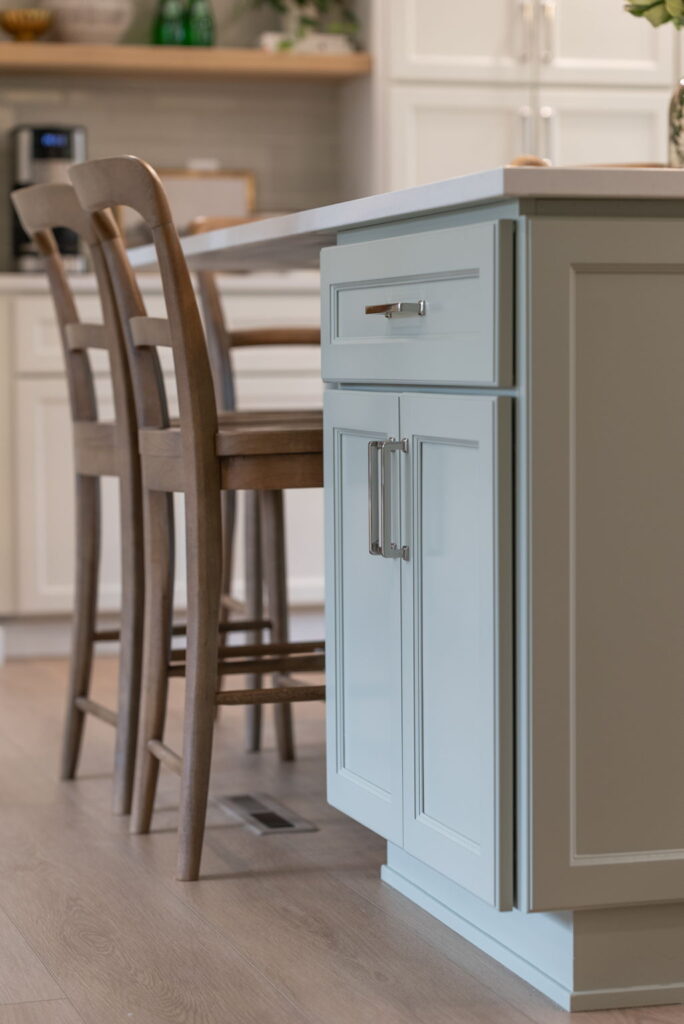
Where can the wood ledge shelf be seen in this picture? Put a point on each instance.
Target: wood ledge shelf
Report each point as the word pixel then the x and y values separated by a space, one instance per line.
pixel 176 61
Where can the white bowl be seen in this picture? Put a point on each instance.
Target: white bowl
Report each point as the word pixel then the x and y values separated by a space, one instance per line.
pixel 90 21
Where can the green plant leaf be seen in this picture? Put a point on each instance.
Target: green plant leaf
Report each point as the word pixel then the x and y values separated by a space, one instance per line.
pixel 654 11
pixel 675 8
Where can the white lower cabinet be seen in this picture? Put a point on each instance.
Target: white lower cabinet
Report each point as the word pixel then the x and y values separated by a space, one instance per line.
pixel 441 131
pixel 593 126
pixel 419 604
pixel 40 511
pixel 438 131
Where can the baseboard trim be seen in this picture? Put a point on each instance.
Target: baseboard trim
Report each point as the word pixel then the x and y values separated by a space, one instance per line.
pixel 552 951
pixel 487 943
pixel 622 998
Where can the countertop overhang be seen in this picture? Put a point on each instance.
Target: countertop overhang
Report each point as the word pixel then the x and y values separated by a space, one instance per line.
pixel 296 239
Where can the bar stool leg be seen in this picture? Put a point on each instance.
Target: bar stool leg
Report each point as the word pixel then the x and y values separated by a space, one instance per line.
pixel 87 568
pixel 159 566
pixel 254 605
pixel 228 516
pixel 203 526
pixel 273 532
pixel 131 639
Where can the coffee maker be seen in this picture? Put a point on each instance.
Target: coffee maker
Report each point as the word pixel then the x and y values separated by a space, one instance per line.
pixel 42 155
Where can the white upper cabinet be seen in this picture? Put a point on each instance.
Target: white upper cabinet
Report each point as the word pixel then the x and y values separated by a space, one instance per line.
pixel 596 41
pixel 555 41
pixel 593 126
pixel 441 131
pixel 434 40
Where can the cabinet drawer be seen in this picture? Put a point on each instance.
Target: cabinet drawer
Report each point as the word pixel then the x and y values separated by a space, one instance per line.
pixel 461 280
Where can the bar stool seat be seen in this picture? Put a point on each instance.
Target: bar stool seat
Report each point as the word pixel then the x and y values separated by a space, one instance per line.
pixel 302 434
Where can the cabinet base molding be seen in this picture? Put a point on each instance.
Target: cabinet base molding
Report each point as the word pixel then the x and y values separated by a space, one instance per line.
pixel 582 960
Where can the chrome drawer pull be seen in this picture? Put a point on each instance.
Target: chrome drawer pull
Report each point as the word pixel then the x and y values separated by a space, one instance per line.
pixel 390 309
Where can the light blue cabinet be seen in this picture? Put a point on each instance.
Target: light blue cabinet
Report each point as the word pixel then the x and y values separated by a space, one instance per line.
pixel 363 608
pixel 419 605
pixel 456 634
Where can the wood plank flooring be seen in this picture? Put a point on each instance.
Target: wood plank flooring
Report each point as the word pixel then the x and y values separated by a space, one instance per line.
pixel 288 929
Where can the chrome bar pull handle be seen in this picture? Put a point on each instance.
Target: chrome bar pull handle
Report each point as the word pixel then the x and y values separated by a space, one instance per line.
pixel 388 548
pixel 526 16
pixel 392 309
pixel 549 15
pixel 525 115
pixel 547 115
pixel 374 449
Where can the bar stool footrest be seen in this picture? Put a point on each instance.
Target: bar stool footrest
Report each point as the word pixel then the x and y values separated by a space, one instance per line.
pixel 164 754
pixel 272 695
pixel 91 707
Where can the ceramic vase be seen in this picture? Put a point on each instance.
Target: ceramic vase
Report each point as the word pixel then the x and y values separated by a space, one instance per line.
pixel 676 153
pixel 90 21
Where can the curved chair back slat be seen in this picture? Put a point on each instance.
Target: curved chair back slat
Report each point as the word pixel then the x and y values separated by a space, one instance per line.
pixel 127 181
pixel 41 209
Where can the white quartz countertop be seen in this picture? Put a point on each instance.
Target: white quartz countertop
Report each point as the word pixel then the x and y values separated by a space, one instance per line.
pixel 295 240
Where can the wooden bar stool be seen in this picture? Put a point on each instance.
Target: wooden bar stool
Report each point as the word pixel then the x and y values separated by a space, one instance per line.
pixel 201 458
pixel 110 449
pixel 100 449
pixel 221 341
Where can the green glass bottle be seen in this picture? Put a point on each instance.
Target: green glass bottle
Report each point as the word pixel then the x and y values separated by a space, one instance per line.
pixel 199 23
pixel 170 27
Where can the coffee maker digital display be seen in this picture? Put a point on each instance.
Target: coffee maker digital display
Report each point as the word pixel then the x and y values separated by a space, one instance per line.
pixel 39 155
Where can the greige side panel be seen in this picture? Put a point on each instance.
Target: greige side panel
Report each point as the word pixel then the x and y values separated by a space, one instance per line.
pixel 606 572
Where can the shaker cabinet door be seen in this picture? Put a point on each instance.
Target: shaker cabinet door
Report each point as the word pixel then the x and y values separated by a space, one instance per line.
pixel 594 42
pixel 363 647
pixel 434 40
pixel 603 126
pixel 442 131
pixel 457 607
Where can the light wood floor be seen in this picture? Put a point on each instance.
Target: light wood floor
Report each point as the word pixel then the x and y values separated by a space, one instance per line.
pixel 280 930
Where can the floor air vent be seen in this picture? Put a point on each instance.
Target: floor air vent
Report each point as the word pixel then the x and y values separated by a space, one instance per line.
pixel 264 816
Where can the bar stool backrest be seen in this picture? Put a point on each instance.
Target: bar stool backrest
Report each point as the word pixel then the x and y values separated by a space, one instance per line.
pixel 128 181
pixel 41 209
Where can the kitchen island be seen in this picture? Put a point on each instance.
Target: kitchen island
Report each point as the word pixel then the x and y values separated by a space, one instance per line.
pixel 504 355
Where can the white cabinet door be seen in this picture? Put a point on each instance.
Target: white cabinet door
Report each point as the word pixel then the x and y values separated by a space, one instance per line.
pixel 439 132
pixel 596 42
pixel 593 126
pixel 457 638
pixel 433 40
pixel 363 609
pixel 45 502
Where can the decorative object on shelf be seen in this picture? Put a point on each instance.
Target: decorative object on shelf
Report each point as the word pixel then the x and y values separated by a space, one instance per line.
pixel 310 26
pixel 170 25
pixel 26 24
pixel 676 151
pixel 199 23
pixel 659 12
pixel 90 21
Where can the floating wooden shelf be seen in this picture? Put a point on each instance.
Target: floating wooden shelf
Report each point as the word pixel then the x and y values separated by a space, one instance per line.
pixel 175 61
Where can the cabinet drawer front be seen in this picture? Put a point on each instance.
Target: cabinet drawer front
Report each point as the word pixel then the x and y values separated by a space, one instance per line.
pixel 461 280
